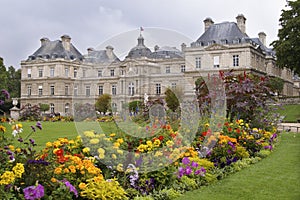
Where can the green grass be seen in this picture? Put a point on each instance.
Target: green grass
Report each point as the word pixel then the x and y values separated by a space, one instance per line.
pixel 275 177
pixel 291 112
pixel 53 130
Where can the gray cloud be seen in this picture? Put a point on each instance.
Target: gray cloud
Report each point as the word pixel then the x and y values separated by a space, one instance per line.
pixel 91 23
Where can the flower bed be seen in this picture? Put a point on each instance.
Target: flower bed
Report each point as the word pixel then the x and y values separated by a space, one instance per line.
pixel 116 166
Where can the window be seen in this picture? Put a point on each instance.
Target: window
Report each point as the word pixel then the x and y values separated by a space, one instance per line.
pixel 75 72
pixel 168 70
pixel 51 71
pixel 235 59
pixel 29 72
pixel 112 72
pixel 84 73
pixel 40 72
pixel 52 90
pixel 75 90
pixel 216 61
pixel 182 68
pixel 29 90
pixel 114 90
pixel 99 73
pixel 131 89
pixel 40 90
pixel 100 89
pixel 67 72
pixel 87 90
pixel 67 108
pixel 66 90
pixel 51 107
pixel 114 107
pixel 198 62
pixel 158 88
pixel 173 86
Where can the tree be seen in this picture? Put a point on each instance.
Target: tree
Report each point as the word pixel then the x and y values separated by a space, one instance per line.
pixel 171 100
pixel 287 47
pixel 14 80
pixel 103 103
pixel 44 107
pixel 276 84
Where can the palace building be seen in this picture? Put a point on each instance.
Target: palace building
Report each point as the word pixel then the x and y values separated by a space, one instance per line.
pixel 59 75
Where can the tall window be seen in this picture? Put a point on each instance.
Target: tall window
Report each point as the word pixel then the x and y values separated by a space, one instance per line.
pixel 100 89
pixel 66 90
pixel 168 70
pixel 235 59
pixel 99 73
pixel 67 108
pixel 182 68
pixel 75 72
pixel 29 72
pixel 67 72
pixel 51 107
pixel 40 72
pixel 112 72
pixel 87 90
pixel 29 90
pixel 198 62
pixel 173 86
pixel 114 90
pixel 84 73
pixel 158 88
pixel 131 89
pixel 75 90
pixel 216 61
pixel 52 90
pixel 40 90
pixel 51 71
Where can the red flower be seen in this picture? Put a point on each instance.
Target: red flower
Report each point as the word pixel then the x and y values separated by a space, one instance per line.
pixel 173 135
pixel 59 152
pixel 226 124
pixel 204 133
pixel 229 129
pixel 161 138
pixel 238 131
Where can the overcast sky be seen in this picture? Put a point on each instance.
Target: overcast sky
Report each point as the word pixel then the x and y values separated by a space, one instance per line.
pixel 91 23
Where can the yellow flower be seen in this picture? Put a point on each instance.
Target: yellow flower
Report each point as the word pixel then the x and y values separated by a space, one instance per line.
pixel 72 169
pixel 120 140
pixel 2 128
pixel 57 170
pixel 11 147
pixel 86 150
pixel 206 125
pixel 114 156
pixel 112 135
pixel 101 151
pixel 116 145
pixel 82 186
pixel 48 144
pixel 158 153
pixel 169 143
pixel 120 167
pixel 18 150
pixel 156 143
pixel 66 170
pixel 89 134
pixel 255 130
pixel 7 178
pixel 94 141
pixel 53 180
pixel 18 169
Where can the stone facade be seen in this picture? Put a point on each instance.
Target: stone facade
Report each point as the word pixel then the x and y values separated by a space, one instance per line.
pixel 59 75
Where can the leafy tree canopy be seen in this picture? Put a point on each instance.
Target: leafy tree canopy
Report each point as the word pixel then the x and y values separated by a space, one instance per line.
pixel 287 47
pixel 103 103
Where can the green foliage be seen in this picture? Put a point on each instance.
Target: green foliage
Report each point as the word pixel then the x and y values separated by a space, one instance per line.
pixel 276 84
pixel 103 103
pixel 31 113
pixel 287 47
pixel 134 106
pixel 44 107
pixel 171 100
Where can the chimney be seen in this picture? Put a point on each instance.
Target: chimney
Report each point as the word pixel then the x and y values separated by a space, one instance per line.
pixel 44 41
pixel 90 49
pixel 207 23
pixel 66 42
pixel 241 22
pixel 156 47
pixel 109 52
pixel 262 37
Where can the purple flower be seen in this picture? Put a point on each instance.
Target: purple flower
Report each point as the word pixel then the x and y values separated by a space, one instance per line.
pixel 20 139
pixel 185 161
pixel 39 125
pixel 200 171
pixel 194 164
pixel 188 170
pixel 71 187
pixel 1 102
pixel 33 192
pixel 33 128
pixel 181 172
pixel 5 93
pixel 31 141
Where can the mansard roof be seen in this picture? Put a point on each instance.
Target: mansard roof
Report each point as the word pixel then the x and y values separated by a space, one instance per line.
pixel 140 50
pixel 55 49
pixel 222 33
pixel 267 50
pixel 166 52
pixel 101 56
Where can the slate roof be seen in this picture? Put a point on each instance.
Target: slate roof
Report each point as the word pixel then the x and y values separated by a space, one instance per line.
pixel 263 47
pixel 140 50
pixel 166 52
pixel 100 56
pixel 222 33
pixel 55 49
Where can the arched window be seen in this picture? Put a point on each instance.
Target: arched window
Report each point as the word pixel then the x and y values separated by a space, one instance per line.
pixel 131 89
pixel 51 107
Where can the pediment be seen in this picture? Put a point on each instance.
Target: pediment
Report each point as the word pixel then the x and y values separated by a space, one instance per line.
pixel 216 47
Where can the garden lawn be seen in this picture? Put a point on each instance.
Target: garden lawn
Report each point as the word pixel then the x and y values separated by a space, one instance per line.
pixel 53 130
pixel 275 177
pixel 291 113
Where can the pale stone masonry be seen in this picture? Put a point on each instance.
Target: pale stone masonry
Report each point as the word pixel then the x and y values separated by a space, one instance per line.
pixel 59 75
